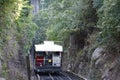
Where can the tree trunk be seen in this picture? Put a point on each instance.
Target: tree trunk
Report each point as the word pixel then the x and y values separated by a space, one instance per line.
pixel 35 4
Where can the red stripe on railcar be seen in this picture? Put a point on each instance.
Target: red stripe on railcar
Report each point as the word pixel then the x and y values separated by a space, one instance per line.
pixel 39 60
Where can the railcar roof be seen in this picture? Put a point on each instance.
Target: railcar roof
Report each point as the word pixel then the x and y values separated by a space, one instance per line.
pixel 48 46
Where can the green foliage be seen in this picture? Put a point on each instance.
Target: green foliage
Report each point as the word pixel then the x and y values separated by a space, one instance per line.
pixel 49 18
pixel 26 31
pixel 59 20
pixel 26 28
pixel 109 20
pixel 68 16
pixel 97 3
pixel 61 17
pixel 15 25
pixel 12 12
pixel 42 21
pixel 9 12
pixel 4 71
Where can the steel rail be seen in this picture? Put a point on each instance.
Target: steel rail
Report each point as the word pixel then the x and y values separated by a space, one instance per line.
pixel 51 76
pixel 66 75
pixel 38 76
pixel 58 77
pixel 78 75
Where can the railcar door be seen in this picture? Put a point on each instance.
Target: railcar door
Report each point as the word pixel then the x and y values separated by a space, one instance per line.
pixel 48 59
pixel 57 59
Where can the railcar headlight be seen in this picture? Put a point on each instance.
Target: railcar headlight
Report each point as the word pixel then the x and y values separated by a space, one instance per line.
pixel 49 60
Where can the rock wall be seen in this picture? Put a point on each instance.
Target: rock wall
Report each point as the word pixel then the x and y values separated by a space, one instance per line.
pixel 92 61
pixel 13 66
pixel 76 42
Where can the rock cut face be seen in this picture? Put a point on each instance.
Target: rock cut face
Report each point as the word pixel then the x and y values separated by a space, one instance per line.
pixel 2 79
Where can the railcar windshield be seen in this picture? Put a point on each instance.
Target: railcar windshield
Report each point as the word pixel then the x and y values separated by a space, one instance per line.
pixel 47 54
pixel 40 53
pixel 56 53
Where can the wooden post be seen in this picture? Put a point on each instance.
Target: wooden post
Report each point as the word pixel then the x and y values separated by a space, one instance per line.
pixel 28 67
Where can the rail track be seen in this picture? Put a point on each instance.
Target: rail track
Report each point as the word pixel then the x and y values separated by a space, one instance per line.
pixel 57 76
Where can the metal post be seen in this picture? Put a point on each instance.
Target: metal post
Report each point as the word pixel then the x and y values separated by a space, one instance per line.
pixel 28 67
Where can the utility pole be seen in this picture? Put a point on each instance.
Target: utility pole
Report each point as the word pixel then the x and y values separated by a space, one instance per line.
pixel 35 4
pixel 42 3
pixel 28 67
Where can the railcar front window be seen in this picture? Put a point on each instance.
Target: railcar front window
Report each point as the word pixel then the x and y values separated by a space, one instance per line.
pixel 56 54
pixel 40 59
pixel 40 53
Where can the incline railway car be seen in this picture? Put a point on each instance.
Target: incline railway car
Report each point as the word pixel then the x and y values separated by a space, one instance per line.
pixel 47 57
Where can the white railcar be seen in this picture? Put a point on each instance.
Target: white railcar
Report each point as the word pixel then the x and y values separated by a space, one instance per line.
pixel 47 57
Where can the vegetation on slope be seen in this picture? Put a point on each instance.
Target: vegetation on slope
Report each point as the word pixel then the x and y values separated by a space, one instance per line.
pixel 109 23
pixel 82 25
pixel 16 30
pixel 61 17
pixel 58 20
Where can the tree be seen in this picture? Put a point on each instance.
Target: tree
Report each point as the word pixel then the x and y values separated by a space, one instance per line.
pixel 109 19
